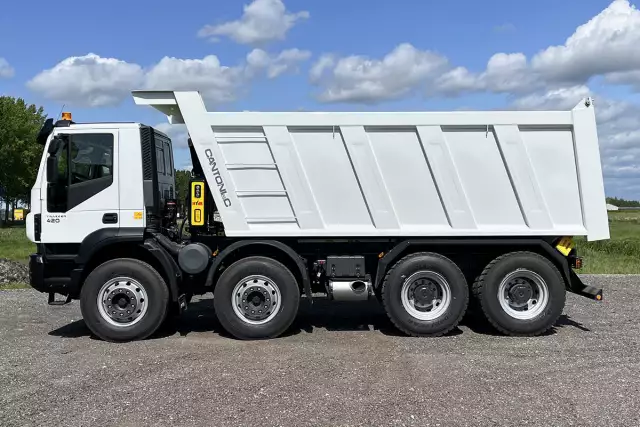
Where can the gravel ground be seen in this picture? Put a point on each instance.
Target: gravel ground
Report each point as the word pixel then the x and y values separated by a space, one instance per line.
pixel 13 272
pixel 341 364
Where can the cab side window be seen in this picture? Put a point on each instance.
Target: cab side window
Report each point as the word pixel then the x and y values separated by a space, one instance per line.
pixel 91 157
pixel 160 162
pixel 168 159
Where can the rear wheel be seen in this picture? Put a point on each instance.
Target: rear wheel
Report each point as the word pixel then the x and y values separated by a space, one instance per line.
pixel 256 298
pixel 425 294
pixel 521 293
pixel 124 300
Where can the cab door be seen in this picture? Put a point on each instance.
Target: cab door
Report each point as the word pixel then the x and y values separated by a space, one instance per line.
pixel 82 191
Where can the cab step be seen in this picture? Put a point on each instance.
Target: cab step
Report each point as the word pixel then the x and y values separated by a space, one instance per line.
pixel 52 299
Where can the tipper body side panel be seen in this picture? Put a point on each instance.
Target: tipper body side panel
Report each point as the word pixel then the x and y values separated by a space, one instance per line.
pixel 513 173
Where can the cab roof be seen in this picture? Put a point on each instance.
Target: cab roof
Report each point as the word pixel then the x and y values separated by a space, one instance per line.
pixel 61 126
pixel 102 125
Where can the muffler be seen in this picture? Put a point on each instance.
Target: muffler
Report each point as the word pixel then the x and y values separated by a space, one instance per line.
pixel 349 290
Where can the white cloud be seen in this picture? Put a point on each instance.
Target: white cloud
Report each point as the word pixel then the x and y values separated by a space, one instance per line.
pixel 178 134
pixel 88 80
pixel 184 164
pixel 93 81
pixel 218 83
pixel 619 136
pixel 504 73
pixel 276 65
pixel 325 62
pixel 263 21
pixel 608 43
pixel 631 78
pixel 606 46
pixel 555 99
pixel 6 70
pixel 365 80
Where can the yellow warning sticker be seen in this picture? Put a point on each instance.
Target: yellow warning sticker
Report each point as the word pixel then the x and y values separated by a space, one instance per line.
pixel 137 215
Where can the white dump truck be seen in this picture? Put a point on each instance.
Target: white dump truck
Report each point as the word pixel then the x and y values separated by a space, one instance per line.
pixel 429 212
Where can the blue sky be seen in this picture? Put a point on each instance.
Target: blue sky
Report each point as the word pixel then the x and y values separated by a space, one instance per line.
pixel 334 55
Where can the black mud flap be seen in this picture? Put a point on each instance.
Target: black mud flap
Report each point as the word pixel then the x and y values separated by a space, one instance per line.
pixel 578 287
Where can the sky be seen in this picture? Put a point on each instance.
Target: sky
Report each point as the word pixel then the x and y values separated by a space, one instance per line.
pixel 330 55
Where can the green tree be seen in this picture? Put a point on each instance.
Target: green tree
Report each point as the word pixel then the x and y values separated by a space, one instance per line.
pixel 19 152
pixel 182 188
pixel 622 203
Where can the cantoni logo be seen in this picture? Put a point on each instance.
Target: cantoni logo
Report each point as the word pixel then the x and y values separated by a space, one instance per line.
pixel 218 178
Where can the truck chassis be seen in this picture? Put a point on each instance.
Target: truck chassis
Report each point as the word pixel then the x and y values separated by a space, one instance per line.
pixel 424 285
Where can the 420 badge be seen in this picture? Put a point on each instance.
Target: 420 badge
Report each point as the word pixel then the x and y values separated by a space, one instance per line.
pixel 54 219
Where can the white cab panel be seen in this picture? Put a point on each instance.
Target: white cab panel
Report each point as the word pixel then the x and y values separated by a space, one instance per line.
pixel 132 211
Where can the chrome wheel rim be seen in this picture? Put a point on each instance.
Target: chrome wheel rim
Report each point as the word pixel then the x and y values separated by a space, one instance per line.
pixel 523 294
pixel 122 302
pixel 256 299
pixel 426 295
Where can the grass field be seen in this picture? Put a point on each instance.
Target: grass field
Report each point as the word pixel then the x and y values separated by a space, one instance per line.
pixel 14 244
pixel 619 255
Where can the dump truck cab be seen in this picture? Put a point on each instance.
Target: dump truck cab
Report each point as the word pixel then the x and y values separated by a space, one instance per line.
pixel 96 183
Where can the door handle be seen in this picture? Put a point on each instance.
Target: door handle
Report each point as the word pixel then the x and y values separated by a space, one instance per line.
pixel 110 218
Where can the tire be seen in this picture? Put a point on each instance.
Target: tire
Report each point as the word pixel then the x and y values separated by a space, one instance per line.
pixel 263 284
pixel 416 275
pixel 539 281
pixel 128 280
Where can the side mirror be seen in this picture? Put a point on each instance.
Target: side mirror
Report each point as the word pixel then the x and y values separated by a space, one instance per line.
pixel 45 131
pixel 52 168
pixel 54 145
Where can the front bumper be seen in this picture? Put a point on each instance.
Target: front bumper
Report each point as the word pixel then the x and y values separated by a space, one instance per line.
pixel 52 276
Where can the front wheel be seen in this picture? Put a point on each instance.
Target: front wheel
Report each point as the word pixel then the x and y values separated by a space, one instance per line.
pixel 124 300
pixel 425 294
pixel 256 298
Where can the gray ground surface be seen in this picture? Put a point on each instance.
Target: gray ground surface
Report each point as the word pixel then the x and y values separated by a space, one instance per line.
pixel 340 365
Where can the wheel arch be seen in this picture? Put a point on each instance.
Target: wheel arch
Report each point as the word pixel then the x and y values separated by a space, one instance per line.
pixel 101 239
pixel 270 248
pixel 147 251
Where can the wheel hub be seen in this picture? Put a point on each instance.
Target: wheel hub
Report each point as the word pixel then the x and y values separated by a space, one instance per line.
pixel 520 292
pixel 426 295
pixel 256 299
pixel 256 303
pixel 523 294
pixel 122 301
